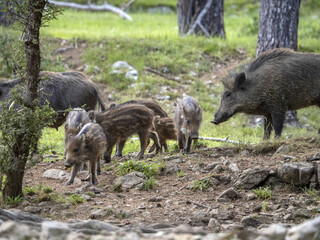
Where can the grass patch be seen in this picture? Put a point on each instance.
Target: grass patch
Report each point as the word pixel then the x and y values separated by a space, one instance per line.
pixel 149 169
pixel 263 193
pixel 202 185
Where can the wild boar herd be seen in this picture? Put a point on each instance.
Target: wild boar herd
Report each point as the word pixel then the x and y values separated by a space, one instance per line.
pixel 276 81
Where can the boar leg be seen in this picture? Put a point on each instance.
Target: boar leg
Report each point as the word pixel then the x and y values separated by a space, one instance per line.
pixel 155 138
pixel 92 165
pixel 75 169
pixel 267 127
pixel 143 136
pixel 278 120
pixel 107 154
pixel 187 148
pixel 98 166
pixel 151 149
pixel 119 147
pixel 165 146
pixel 181 140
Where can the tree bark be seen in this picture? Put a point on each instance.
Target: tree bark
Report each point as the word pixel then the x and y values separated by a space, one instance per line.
pixel 278 28
pixel 201 17
pixel 13 185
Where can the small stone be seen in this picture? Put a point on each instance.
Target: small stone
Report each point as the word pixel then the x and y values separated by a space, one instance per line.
pixel 283 149
pixel 229 194
pixel 214 224
pixel 250 222
pixel 33 210
pixel 233 167
pixel 98 214
pixel 57 229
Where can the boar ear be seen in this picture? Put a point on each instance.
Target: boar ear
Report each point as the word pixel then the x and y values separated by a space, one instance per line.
pixel 66 126
pixel 92 116
pixel 239 80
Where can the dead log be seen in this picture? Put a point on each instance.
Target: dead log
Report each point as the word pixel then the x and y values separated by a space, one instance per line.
pixel 93 7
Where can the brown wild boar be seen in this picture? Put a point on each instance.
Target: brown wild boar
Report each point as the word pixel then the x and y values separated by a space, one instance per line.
pixel 276 81
pixel 151 104
pixel 121 122
pixel 88 145
pixel 166 130
pixel 187 118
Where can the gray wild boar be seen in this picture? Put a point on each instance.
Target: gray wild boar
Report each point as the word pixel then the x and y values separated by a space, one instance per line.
pixel 88 145
pixel 157 111
pixel 121 122
pixel 276 81
pixel 166 130
pixel 76 119
pixel 62 91
pixel 187 118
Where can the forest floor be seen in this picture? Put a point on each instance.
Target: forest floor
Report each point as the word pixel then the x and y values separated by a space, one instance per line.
pixel 177 197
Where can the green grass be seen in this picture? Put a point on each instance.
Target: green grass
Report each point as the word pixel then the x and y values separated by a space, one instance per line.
pixel 152 40
pixel 263 193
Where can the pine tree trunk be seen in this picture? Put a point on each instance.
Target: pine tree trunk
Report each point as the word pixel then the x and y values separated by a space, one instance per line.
pixel 278 28
pixel 201 17
pixel 13 185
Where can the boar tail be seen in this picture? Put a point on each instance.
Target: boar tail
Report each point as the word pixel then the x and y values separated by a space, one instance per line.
pixel 100 103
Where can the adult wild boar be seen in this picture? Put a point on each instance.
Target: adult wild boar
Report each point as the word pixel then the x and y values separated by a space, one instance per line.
pixel 187 118
pixel 276 81
pixel 62 90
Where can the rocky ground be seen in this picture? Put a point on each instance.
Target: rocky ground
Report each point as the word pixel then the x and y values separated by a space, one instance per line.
pixel 225 190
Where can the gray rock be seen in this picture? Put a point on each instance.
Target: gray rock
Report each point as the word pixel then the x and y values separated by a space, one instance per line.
pixel 160 226
pixel 233 167
pixel 14 231
pixel 170 169
pixel 308 230
pixel 131 180
pixel 32 209
pixel 232 226
pixel 251 178
pixel 283 149
pixel 17 215
pixel 86 197
pixel 249 221
pixel 54 230
pixel 302 213
pixel 229 195
pixel 94 225
pixel 297 173
pixel 222 214
pixel 122 67
pixel 273 232
pixel 98 214
pixel 200 216
pixel 214 224
pixel 211 166
pixel 59 207
pixel 55 174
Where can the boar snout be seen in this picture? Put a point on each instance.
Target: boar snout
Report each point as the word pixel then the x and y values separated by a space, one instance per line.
pixel 67 164
pixel 194 136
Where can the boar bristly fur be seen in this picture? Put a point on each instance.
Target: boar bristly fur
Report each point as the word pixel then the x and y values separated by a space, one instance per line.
pixel 88 145
pixel 277 81
pixel 166 130
pixel 120 122
pixel 187 118
pixel 62 91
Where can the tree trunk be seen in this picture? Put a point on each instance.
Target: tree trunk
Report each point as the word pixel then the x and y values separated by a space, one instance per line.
pixel 13 185
pixel 278 28
pixel 201 17
pixel 4 21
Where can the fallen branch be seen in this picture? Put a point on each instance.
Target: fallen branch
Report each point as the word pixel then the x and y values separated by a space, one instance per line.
pixel 199 18
pixel 219 140
pixel 148 69
pixel 104 7
pixel 126 5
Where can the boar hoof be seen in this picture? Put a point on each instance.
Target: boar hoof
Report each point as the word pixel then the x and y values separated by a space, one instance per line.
pixel 98 172
pixel 69 183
